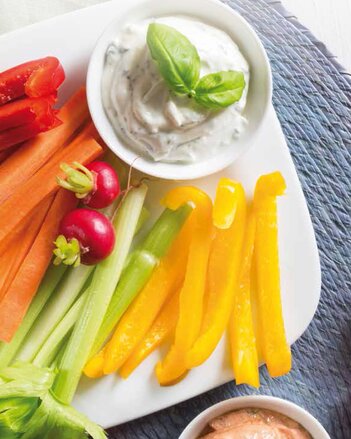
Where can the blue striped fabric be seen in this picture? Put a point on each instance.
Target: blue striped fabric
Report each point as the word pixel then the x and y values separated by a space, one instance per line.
pixel 312 97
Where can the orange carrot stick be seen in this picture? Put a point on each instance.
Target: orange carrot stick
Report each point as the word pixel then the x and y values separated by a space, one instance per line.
pixel 6 262
pixel 32 155
pixel 17 251
pixel 88 131
pixel 43 184
pixel 18 297
pixel 6 153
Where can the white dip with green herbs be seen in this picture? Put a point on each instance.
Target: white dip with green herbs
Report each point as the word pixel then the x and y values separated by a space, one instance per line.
pixel 155 122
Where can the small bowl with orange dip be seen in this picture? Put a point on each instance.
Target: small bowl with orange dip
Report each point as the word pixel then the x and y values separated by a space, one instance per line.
pixel 255 417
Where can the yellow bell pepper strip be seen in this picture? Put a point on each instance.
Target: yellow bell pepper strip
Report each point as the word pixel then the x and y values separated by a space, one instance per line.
pixel 224 207
pixel 222 276
pixel 95 366
pixel 161 329
pixel 242 338
pixel 276 351
pixel 191 298
pixel 166 279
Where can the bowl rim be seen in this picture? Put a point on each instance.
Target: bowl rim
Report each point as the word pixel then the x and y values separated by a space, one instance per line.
pixel 273 403
pixel 169 171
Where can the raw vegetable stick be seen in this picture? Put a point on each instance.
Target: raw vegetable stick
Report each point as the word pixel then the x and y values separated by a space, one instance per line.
pixel 39 77
pixel 88 131
pixel 140 267
pixel 7 261
pixel 103 284
pixel 65 295
pixel 173 366
pixel 134 324
pixel 16 135
pixel 51 347
pixel 241 327
pixel 59 335
pixel 16 235
pixel 6 153
pixel 55 323
pixel 43 184
pixel 31 156
pixel 276 351
pixel 160 330
pixel 47 287
pixel 26 282
pixel 21 248
pixel 10 240
pixel 56 312
pixel 223 270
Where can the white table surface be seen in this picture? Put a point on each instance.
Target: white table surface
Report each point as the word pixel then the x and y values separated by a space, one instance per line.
pixel 329 20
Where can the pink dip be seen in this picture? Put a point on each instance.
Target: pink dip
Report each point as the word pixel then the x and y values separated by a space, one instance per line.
pixel 254 423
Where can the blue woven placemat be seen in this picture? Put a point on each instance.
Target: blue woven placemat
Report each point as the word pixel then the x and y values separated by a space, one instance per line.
pixel 312 97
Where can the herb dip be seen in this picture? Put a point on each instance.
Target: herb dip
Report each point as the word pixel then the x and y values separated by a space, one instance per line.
pixel 156 123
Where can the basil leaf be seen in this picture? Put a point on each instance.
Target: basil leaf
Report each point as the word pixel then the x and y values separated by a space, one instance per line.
pixel 221 89
pixel 176 58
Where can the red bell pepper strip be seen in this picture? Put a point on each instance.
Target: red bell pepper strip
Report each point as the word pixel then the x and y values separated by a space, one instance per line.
pixel 45 120
pixel 24 111
pixel 34 79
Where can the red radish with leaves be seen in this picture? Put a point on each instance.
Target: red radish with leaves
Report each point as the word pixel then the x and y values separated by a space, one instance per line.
pixel 86 236
pixel 96 184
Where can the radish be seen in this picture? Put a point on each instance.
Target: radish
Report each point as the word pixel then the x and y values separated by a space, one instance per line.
pixel 85 236
pixel 96 184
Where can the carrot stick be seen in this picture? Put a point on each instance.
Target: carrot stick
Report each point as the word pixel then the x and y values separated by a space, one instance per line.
pixel 17 251
pixel 6 263
pixel 43 184
pixel 18 297
pixel 32 155
pixel 88 131
pixel 6 153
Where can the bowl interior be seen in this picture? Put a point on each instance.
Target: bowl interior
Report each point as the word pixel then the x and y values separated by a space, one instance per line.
pixel 287 408
pixel 211 12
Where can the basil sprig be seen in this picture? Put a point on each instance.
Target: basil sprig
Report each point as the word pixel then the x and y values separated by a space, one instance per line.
pixel 221 89
pixel 176 58
pixel 179 64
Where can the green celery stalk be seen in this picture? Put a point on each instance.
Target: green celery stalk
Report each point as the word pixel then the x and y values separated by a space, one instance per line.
pixel 141 264
pixel 103 284
pixel 29 409
pixel 47 287
pixel 51 347
pixel 144 216
pixel 56 308
pixel 52 344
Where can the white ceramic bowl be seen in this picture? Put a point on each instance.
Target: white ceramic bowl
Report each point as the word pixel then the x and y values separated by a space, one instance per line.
pixel 197 425
pixel 218 15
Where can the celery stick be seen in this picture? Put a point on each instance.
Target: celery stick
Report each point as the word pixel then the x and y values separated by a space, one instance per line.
pixel 144 216
pixel 52 345
pixel 53 342
pixel 47 287
pixel 54 311
pixel 140 267
pixel 103 284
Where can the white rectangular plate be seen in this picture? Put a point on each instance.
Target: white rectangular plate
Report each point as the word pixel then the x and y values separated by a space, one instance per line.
pixel 110 401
